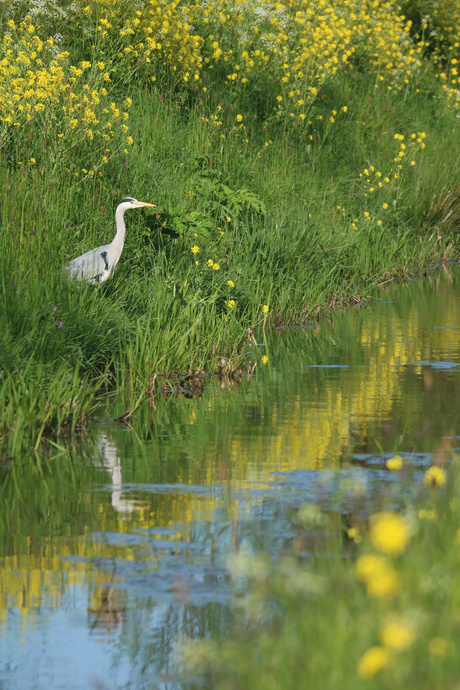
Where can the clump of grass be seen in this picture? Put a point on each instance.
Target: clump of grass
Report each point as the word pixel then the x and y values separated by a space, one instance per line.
pixel 38 401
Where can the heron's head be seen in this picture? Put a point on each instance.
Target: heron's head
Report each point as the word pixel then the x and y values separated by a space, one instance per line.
pixel 129 202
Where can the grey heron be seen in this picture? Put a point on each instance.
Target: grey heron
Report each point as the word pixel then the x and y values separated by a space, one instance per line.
pixel 98 265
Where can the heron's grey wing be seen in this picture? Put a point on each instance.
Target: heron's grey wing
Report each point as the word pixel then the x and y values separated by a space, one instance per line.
pixel 90 266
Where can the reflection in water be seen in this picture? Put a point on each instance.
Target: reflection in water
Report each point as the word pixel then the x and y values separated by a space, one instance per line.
pixel 107 610
pixel 100 582
pixel 111 462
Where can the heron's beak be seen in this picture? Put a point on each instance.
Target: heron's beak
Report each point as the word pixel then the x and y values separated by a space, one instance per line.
pixel 143 203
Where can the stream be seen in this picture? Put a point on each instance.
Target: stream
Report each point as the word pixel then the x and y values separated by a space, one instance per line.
pixel 115 544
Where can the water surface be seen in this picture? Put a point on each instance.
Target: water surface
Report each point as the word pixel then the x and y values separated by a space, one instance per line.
pixel 115 545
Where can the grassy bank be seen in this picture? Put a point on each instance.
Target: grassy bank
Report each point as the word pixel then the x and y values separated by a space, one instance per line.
pixel 295 161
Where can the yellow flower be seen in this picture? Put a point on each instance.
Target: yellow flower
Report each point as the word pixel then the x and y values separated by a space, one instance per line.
pixel 264 359
pixel 195 250
pixel 230 283
pixel 429 515
pixel 374 659
pixel 389 533
pixel 369 564
pixel 439 647
pixel 239 118
pixel 435 477
pixel 231 303
pixel 381 579
pixel 129 141
pixel 265 309
pixel 385 206
pixel 210 263
pixel 384 585
pixel 395 463
pixel 397 633
pixel 215 267
pixel 353 533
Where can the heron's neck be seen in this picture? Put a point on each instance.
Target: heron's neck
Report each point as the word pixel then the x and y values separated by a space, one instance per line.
pixel 118 240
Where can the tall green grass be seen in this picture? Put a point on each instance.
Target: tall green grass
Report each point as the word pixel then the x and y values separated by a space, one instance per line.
pixel 281 212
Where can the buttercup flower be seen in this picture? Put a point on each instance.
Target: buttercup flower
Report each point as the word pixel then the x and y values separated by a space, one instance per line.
pixel 381 579
pixel 375 659
pixel 395 463
pixel 389 533
pixel 435 477
pixel 397 633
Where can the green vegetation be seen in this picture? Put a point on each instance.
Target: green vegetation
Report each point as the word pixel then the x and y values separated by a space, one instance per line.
pixel 375 606
pixel 295 160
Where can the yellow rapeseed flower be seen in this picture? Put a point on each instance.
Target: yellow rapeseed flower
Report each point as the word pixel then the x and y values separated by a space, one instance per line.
pixel 374 660
pixel 264 359
pixel 195 249
pixel 216 267
pixel 230 283
pixel 265 309
pixel 389 533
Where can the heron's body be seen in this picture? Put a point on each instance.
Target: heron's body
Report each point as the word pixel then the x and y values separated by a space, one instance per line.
pixel 98 265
